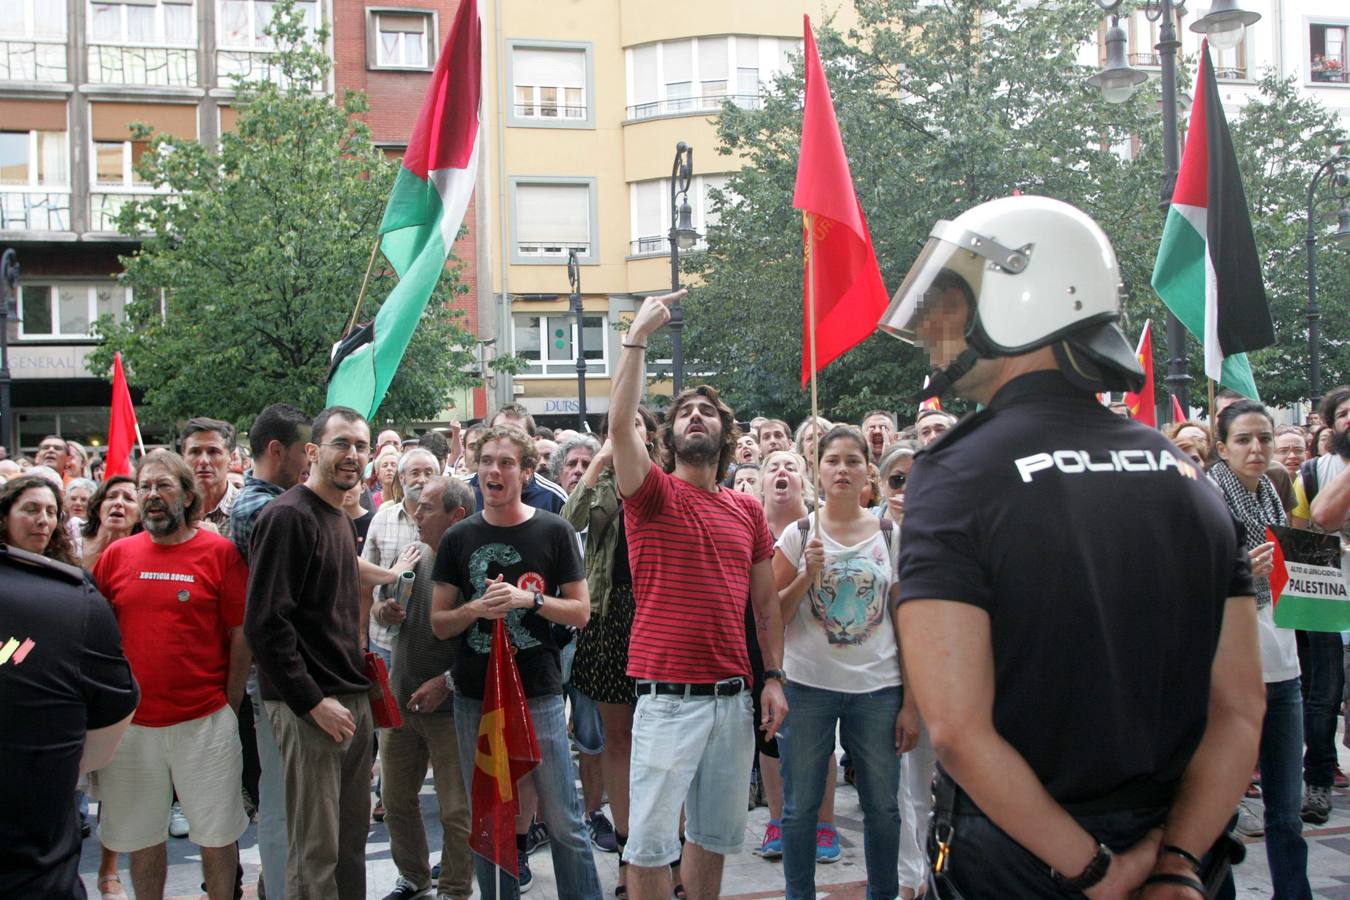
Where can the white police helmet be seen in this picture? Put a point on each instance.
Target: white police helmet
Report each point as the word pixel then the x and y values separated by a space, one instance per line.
pixel 1033 272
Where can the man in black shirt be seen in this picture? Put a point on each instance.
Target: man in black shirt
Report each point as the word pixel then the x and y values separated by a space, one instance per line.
pixel 66 697
pixel 1077 615
pixel 521 564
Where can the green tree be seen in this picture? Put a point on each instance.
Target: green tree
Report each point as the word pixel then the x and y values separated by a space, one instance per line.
pixel 943 106
pixel 253 257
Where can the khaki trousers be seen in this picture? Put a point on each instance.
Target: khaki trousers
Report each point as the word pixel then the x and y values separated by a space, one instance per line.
pixel 405 753
pixel 327 802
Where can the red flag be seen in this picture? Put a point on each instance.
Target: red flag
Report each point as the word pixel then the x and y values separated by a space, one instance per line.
pixel 931 402
pixel 1279 576
pixel 1143 406
pixel 1178 414
pixel 507 749
pixel 122 428
pixel 849 297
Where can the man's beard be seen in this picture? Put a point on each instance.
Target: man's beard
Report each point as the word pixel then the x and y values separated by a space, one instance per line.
pixel 413 493
pixel 701 450
pixel 169 521
pixel 1340 443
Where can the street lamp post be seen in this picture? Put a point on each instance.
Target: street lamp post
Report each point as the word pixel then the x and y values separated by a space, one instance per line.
pixel 574 279
pixel 1341 185
pixel 9 280
pixel 1224 25
pixel 682 237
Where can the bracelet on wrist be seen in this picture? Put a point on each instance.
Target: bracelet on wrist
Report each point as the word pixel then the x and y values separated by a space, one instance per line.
pixel 1093 873
pixel 1191 858
pixel 635 346
pixel 1194 884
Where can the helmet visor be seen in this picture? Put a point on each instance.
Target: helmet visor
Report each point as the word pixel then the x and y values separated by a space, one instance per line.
pixel 938 295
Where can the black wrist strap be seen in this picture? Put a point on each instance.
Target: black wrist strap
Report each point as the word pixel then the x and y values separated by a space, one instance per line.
pixel 1095 872
pixel 1185 854
pixel 1183 880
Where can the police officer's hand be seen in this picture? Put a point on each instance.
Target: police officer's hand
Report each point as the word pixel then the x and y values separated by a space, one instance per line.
pixel 815 557
pixel 1128 869
pixel 1263 559
pixel 907 726
pixel 773 706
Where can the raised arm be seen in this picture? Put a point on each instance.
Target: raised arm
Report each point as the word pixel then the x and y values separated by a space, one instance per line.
pixel 631 462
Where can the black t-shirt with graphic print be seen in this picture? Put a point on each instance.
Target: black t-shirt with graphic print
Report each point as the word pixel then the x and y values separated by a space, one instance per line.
pixel 539 554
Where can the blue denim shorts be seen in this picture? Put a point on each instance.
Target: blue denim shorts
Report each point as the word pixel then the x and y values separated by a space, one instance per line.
pixel 694 752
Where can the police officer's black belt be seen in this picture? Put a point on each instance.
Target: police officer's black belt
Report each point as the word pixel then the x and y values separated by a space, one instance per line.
pixel 726 688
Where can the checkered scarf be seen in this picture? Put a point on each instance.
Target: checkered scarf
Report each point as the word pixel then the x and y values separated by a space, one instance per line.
pixel 1254 511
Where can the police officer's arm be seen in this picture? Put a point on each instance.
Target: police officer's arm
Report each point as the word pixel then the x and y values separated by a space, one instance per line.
pixel 950 661
pixel 100 744
pixel 1331 506
pixel 631 462
pixel 1217 774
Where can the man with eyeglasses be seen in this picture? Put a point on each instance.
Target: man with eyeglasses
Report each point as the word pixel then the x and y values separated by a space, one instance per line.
pixel 177 591
pixel 52 452
pixel 304 626
pixel 1291 448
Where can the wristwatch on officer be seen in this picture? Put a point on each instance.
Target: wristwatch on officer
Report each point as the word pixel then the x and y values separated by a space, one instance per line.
pixel 776 674
pixel 449 682
pixel 538 601
pixel 1095 872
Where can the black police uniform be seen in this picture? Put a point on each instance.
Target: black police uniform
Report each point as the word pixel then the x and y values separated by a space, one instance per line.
pixel 62 671
pixel 1104 560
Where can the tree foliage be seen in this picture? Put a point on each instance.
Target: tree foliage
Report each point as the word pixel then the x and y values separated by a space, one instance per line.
pixel 943 106
pixel 252 257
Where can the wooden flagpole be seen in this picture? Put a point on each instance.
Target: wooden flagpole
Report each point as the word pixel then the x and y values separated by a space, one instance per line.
pixel 1210 411
pixel 370 264
pixel 809 220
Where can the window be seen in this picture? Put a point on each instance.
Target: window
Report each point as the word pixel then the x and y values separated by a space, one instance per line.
pixel 400 39
pixel 696 74
pixel 548 343
pixel 242 23
pixel 33 159
pixel 143 22
pixel 69 309
pixel 549 85
pixel 115 162
pixel 553 217
pixel 41 19
pixel 1327 53
pixel 650 212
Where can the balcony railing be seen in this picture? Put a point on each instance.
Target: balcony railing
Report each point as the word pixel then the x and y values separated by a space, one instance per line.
pixel 34 210
pixel 32 60
pixel 250 65
pixel 105 206
pixel 149 66
pixel 674 106
pixel 659 245
pixel 1151 60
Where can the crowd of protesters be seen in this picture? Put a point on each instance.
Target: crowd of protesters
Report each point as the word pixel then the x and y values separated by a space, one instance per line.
pixel 657 580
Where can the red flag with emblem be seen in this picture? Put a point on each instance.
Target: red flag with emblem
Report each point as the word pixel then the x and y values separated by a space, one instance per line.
pixel 507 749
pixel 1143 408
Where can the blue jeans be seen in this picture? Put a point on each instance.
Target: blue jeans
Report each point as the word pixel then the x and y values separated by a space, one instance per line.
pixel 867 723
pixel 559 805
pixel 273 845
pixel 1325 672
pixel 1282 790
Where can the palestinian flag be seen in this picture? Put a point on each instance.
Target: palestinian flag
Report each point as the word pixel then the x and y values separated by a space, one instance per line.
pixel 424 213
pixel 1208 271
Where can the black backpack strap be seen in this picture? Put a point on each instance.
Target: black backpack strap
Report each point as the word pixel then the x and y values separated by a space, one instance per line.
pixel 1307 471
pixel 887 531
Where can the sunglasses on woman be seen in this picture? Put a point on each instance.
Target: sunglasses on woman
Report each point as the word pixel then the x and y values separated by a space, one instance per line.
pixel 896 480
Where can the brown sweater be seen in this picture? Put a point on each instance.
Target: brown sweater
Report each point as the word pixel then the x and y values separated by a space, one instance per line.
pixel 303 616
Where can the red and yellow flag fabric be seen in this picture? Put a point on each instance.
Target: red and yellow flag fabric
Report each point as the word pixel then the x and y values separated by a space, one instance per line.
pixel 1143 406
pixel 849 296
pixel 121 424
pixel 507 749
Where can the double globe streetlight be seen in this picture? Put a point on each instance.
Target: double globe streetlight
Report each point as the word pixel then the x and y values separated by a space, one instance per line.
pixel 1224 25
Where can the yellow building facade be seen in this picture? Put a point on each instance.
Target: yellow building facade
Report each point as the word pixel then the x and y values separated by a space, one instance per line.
pixel 584 104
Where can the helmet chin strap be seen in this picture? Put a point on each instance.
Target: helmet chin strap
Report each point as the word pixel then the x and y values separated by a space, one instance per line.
pixel 941 381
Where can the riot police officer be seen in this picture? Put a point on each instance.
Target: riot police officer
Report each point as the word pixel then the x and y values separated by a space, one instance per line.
pixel 66 697
pixel 1077 614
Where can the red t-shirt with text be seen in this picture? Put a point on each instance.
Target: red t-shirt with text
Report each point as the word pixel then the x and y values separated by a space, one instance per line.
pixel 175 605
pixel 691 552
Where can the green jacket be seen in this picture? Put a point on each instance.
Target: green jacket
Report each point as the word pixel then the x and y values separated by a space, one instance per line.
pixel 596 511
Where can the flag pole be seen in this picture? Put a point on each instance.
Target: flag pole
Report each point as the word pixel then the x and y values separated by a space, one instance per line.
pixel 1211 403
pixel 370 264
pixel 809 220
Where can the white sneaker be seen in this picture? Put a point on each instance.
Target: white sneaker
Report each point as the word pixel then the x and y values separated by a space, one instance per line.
pixel 1251 819
pixel 178 823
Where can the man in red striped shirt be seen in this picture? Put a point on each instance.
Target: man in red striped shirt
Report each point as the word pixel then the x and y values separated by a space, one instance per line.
pixel 697 552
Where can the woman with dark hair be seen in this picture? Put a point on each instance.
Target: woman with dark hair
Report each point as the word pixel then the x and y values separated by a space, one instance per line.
pixel 113 515
pixel 1320 445
pixel 1246 438
pixel 600 667
pixel 836 579
pixel 30 518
